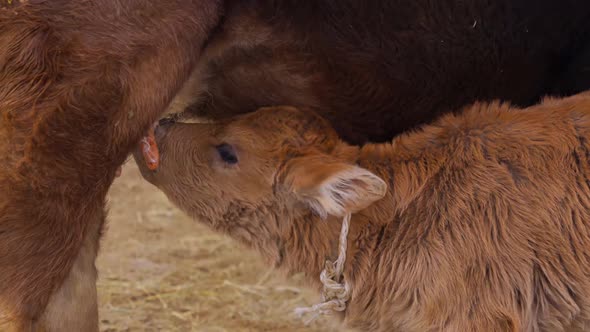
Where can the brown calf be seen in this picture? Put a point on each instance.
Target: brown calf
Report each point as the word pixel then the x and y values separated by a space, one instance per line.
pixel 477 222
pixel 80 81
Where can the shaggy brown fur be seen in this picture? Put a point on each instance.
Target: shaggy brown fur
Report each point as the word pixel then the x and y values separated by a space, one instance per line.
pixel 80 81
pixel 377 68
pixel 484 224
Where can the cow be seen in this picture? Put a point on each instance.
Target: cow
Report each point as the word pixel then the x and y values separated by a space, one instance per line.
pixel 479 221
pixel 377 68
pixel 80 82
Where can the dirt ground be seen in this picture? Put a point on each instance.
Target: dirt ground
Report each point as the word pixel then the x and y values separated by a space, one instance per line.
pixel 161 271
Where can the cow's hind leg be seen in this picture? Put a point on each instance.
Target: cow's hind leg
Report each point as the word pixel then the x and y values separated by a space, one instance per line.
pixel 73 307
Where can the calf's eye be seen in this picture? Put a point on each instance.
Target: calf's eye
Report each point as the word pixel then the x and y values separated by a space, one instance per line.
pixel 227 153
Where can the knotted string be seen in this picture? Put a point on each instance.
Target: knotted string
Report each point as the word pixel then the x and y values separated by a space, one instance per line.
pixel 336 291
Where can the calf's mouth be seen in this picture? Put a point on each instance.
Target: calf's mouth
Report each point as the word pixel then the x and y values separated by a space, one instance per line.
pixel 147 153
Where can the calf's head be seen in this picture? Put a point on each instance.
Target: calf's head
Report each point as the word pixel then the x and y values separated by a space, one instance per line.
pixel 277 162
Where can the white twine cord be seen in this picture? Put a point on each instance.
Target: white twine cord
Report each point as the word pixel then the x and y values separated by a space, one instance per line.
pixel 336 291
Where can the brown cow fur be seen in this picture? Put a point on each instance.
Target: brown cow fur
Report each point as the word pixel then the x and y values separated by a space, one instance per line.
pixel 80 81
pixel 377 68
pixel 484 224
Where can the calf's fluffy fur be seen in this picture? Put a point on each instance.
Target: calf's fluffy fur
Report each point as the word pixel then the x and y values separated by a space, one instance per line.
pixel 477 222
pixel 81 80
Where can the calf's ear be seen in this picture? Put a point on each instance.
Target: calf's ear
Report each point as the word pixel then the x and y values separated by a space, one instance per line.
pixel 332 187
